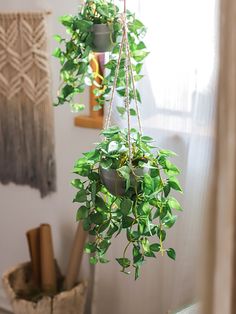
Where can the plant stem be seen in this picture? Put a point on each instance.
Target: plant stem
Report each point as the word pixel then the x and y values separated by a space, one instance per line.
pixel 126 248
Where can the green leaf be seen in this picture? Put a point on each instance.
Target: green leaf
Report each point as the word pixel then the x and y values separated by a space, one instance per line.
pixel 111 131
pixel 94 176
pixel 103 260
pixel 169 221
pixel 133 112
pixel 67 90
pixel 83 170
pixel 146 208
pixel 93 192
pixel 156 214
pixel 161 234
pixel 99 202
pixel 167 153
pixel 97 107
pixel 77 183
pixel 146 245
pixel 138 96
pixel 68 66
pixel 104 245
pixel 106 164
pixel 147 139
pixel 92 155
pixel 83 25
pixel 104 226
pixel 126 206
pixel 155 247
pixel 124 172
pixel 58 38
pixel 171 168
pixel 82 213
pixel 90 247
pixel 127 221
pixel 139 55
pixel 93 260
pixel 174 184
pixel 77 107
pixel 57 53
pixel 138 24
pixel 124 262
pixel 166 189
pixel 174 204
pixel 80 197
pixel 113 146
pixel 121 110
pixel 171 253
pixel 66 20
pixel 138 67
pixel 86 224
pixel 148 182
pixel 137 272
pixel 138 77
pixel 150 254
pixel 97 218
pixel 112 230
pixel 136 252
pixel 141 45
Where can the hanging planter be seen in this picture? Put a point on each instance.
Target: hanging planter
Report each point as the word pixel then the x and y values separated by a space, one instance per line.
pixel 113 199
pixel 115 183
pixel 127 182
pixel 102 37
pixel 96 28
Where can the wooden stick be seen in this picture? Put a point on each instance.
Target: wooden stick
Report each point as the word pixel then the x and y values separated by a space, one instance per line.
pixel 34 249
pixel 75 258
pixel 48 268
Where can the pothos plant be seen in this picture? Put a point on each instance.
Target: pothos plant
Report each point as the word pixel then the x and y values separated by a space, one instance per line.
pixel 132 194
pixel 76 53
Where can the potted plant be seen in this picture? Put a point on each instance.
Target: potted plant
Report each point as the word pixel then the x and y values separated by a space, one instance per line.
pixel 97 27
pixel 126 187
pixel 102 16
pixel 126 181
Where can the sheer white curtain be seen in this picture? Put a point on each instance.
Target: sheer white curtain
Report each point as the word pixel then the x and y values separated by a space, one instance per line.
pixel 178 109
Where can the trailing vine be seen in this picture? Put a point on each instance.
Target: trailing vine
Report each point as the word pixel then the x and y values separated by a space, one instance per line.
pixel 145 208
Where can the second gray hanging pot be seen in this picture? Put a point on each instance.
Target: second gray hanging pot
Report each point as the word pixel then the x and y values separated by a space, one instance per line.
pixel 114 183
pixel 102 37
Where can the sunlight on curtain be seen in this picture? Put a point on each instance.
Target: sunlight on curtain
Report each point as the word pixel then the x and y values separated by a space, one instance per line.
pixel 178 109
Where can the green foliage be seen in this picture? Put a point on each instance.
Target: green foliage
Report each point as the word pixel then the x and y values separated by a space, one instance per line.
pixel 144 211
pixel 76 53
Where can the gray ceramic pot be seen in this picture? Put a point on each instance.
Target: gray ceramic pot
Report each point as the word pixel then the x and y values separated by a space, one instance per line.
pixel 102 37
pixel 115 183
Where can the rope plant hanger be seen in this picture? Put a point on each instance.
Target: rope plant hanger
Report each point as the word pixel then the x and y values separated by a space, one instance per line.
pixel 124 184
pixel 124 47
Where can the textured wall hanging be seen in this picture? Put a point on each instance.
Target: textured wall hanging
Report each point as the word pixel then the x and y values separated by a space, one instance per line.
pixel 26 117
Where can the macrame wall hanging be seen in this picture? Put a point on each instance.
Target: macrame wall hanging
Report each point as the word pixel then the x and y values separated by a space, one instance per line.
pixel 26 117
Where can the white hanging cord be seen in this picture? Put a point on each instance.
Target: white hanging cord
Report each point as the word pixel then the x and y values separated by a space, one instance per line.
pixel 134 89
pixel 108 119
pixel 127 100
pixel 129 75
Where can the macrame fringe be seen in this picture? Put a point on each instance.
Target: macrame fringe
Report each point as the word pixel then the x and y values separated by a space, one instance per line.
pixel 26 117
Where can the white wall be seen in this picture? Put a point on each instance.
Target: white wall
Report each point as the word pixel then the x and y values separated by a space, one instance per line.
pixel 22 208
